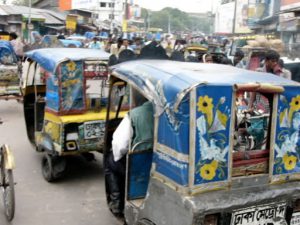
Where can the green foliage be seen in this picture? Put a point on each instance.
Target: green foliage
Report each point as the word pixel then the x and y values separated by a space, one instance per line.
pixel 179 20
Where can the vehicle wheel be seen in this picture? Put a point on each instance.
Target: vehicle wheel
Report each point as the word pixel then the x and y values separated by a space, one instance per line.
pixel 47 167
pixel 8 191
pixel 145 222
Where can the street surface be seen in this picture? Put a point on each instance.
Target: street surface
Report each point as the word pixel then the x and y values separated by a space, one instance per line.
pixel 77 199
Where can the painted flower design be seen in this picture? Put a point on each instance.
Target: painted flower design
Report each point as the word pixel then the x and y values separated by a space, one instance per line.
pixel 208 171
pixel 206 107
pixel 71 66
pixel 289 161
pixel 222 117
pixel 295 103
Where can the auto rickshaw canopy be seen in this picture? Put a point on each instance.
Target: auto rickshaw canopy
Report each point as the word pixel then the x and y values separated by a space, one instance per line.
pixel 50 58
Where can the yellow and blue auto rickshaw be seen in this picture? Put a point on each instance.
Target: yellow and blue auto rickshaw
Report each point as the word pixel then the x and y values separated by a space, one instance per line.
pixel 199 170
pixel 9 72
pixel 65 96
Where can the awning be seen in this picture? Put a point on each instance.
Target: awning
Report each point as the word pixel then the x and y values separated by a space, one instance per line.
pixel 33 17
pixel 56 27
pixel 90 27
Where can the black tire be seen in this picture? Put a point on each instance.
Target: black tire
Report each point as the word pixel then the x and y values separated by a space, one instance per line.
pixel 47 168
pixel 8 191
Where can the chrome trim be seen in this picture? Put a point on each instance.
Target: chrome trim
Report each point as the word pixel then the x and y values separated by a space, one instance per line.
pixel 183 93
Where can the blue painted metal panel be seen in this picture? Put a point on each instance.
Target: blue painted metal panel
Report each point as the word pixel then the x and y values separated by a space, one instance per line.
pixel 139 174
pixel 52 93
pixel 173 128
pixel 212 133
pixel 72 88
pixel 287 139
pixel 171 167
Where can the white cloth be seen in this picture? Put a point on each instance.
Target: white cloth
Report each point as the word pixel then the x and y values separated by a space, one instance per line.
pixel 121 138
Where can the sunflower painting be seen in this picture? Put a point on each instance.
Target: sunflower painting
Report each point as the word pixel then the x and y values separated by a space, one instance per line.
pixel 286 159
pixel 212 135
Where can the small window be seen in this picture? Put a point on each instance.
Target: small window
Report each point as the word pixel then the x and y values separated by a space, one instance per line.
pixel 111 5
pixel 252 133
pixel 102 4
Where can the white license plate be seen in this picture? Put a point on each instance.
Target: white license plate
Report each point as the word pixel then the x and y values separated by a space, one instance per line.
pixel 260 215
pixel 94 129
pixel 295 218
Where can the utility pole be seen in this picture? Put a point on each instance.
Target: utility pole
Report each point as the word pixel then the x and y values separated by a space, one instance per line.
pixel 29 23
pixel 169 25
pixel 234 17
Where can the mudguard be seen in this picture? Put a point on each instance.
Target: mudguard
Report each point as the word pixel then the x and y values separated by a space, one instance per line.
pixel 8 157
pixel 45 143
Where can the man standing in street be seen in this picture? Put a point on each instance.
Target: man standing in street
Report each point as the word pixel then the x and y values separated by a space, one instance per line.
pixel 136 126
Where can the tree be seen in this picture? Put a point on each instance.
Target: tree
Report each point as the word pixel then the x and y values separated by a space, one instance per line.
pixel 179 21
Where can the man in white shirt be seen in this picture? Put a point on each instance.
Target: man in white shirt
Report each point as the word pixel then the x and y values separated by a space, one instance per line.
pixel 136 128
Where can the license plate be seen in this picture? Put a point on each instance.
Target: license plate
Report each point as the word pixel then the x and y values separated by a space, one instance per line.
pixel 94 129
pixel 295 219
pixel 260 215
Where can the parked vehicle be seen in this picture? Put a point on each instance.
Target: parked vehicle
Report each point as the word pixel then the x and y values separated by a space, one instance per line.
pixel 9 72
pixel 65 96
pixel 196 173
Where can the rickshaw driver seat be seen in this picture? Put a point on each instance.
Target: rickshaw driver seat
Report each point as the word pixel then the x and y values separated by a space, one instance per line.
pixel 138 129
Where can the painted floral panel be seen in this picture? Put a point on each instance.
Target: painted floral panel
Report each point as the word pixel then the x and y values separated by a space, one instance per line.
pixel 287 143
pixel 213 111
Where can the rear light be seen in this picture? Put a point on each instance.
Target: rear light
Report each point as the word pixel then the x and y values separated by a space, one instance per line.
pixel 211 219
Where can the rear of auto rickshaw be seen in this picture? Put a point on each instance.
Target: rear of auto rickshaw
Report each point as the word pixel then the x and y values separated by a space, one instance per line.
pixel 65 98
pixel 200 171
pixel 9 72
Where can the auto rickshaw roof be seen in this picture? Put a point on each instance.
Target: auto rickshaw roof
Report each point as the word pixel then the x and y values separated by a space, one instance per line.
pixel 50 58
pixel 177 78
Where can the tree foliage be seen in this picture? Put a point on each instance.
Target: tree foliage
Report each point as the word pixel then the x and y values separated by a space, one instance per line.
pixel 178 20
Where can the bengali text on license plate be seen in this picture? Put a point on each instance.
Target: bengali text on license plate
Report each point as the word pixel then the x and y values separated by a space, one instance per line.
pixel 94 129
pixel 260 215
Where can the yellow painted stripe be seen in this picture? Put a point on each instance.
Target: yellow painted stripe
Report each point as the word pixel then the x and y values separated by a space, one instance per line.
pixel 79 118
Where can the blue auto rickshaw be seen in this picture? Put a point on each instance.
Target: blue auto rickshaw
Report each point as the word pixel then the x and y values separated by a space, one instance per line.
pixel 10 72
pixel 65 95
pixel 197 171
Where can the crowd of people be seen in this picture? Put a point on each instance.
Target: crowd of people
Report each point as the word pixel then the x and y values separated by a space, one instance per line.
pixel 167 47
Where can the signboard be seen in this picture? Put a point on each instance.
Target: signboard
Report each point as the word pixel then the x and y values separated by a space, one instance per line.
pixel 124 26
pixel 241 15
pixel 71 22
pixel 65 5
pixel 224 18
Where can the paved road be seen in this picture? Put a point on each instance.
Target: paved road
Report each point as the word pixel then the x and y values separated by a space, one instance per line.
pixel 78 199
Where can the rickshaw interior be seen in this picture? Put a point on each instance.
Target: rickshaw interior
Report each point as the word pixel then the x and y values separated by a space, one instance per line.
pixel 139 158
pixel 252 130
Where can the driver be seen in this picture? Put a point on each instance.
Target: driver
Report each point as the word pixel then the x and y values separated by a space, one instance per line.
pixel 135 128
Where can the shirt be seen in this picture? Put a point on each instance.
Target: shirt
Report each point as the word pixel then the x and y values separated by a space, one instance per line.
pixel 121 138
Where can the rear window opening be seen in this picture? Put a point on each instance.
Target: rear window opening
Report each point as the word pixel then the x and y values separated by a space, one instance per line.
pixel 252 133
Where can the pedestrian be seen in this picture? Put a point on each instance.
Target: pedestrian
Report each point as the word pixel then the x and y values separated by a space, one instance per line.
pixel 238 59
pixel 284 72
pixel 17 44
pixel 95 44
pixel 270 64
pixel 136 128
